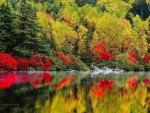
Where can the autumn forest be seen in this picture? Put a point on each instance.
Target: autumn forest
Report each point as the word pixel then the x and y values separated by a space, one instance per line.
pixel 74 34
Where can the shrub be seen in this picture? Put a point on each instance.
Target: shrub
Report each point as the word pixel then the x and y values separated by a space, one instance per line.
pixel 124 63
pixel 36 62
pixel 133 58
pixel 102 53
pixel 7 62
pixel 23 64
pixel 64 58
pixel 146 58
pixel 47 63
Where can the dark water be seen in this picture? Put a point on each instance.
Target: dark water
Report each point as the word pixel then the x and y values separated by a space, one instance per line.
pixel 78 92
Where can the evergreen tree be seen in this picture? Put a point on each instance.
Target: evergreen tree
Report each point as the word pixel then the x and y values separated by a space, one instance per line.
pixel 28 33
pixel 6 27
pixel 83 2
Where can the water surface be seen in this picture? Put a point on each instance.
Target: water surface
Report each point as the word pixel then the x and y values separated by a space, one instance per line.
pixel 74 92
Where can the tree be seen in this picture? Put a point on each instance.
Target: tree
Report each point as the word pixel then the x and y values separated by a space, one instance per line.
pixel 141 7
pixel 83 2
pixel 6 27
pixel 29 39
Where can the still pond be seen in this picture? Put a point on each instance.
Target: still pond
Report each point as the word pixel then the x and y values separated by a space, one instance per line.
pixel 74 92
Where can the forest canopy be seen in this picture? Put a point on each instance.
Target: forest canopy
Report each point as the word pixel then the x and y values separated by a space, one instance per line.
pixel 74 27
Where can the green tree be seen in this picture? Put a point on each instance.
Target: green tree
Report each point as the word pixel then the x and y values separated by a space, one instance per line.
pixel 29 39
pixel 6 27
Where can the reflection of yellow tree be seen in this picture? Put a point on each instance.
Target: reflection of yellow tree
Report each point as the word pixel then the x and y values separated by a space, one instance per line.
pixel 115 100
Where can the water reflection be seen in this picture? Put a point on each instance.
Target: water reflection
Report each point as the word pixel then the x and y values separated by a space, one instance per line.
pixel 44 92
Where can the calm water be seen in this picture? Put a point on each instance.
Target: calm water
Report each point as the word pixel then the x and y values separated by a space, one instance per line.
pixel 78 92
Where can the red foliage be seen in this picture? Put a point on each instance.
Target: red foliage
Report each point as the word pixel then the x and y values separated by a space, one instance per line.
pixel 64 58
pixel 146 81
pixel 103 54
pixel 133 58
pixel 98 91
pixel 36 81
pixel 68 21
pixel 146 58
pixel 47 63
pixel 7 80
pixel 23 63
pixel 64 82
pixel 106 56
pixel 7 62
pixel 99 49
pixel 106 84
pixel 36 61
pixel 22 79
pixel 103 85
pixel 47 77
pixel 132 82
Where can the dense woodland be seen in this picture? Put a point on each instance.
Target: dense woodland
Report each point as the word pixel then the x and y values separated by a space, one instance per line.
pixel 73 34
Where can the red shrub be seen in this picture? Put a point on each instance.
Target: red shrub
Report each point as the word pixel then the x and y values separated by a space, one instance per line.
pixel 106 56
pixel 146 58
pixel 99 49
pixel 23 63
pixel 7 62
pixel 64 58
pixel 47 63
pixel 133 58
pixel 103 55
pixel 36 61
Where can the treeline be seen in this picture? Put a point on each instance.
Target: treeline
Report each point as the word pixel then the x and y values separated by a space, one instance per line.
pixel 74 27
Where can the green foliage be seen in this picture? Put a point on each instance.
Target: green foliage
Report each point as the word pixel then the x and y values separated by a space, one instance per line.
pixel 74 27
pixel 28 32
pixel 6 27
pixel 83 2
pixel 124 63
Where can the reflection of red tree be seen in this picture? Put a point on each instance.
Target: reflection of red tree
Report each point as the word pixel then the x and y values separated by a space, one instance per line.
pixel 7 80
pixel 146 81
pixel 103 86
pixel 98 91
pixel 106 84
pixel 64 58
pixel 64 82
pixel 37 80
pixel 47 77
pixel 132 82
